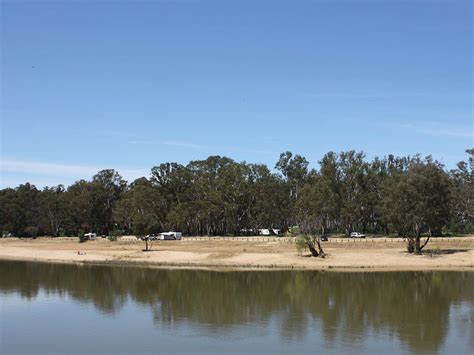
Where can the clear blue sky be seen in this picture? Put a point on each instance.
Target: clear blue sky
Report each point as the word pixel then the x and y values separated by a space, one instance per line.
pixel 88 85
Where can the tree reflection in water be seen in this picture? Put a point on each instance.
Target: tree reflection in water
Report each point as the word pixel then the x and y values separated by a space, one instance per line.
pixel 413 306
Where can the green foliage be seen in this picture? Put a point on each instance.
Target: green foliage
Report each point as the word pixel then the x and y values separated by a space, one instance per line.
pixel 114 235
pixel 418 200
pixel 301 244
pixel 460 227
pixel 219 196
pixel 116 232
pixel 294 231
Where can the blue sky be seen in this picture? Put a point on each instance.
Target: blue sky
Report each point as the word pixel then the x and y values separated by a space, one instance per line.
pixel 87 85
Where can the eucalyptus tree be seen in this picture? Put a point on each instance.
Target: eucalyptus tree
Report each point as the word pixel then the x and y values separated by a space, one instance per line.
pixel 173 180
pixel 218 181
pixel 271 200
pixel 312 214
pixel 315 203
pixel 80 216
pixel 463 194
pixel 353 189
pixel 19 209
pixel 8 211
pixel 107 187
pixel 53 209
pixel 330 178
pixel 294 169
pixel 417 200
pixel 139 210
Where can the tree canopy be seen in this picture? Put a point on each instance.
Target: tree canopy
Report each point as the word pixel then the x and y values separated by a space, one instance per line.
pixel 218 196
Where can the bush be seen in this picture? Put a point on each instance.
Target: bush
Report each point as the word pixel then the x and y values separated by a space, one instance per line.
pixel 114 234
pixel 301 244
pixel 294 231
pixel 461 227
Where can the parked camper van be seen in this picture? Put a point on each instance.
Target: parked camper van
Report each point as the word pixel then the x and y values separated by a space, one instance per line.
pixel 171 236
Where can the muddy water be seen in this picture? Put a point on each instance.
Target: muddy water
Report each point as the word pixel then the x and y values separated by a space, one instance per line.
pixel 66 309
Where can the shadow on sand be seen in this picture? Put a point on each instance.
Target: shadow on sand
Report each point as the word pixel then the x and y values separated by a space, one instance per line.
pixel 433 252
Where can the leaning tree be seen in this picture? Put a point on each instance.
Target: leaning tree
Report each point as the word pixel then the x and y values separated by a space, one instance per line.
pixel 311 214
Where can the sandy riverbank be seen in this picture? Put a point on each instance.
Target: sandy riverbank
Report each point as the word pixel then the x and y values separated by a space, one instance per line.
pixel 237 254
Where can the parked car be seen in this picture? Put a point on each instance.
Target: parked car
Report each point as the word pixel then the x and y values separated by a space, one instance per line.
pixel 324 237
pixel 357 235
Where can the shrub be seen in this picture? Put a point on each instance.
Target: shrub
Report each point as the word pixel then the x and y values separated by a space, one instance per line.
pixel 301 244
pixel 294 231
pixel 114 234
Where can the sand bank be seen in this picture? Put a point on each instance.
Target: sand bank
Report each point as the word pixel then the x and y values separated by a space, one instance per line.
pixel 376 255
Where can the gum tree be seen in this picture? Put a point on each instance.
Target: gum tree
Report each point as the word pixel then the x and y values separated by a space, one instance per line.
pixel 417 201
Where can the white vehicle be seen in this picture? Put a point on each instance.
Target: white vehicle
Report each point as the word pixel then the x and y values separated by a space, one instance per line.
pixel 267 232
pixel 170 236
pixel 90 236
pixel 357 235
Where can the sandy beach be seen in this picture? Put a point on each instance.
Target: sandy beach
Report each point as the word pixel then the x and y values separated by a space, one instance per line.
pixel 262 253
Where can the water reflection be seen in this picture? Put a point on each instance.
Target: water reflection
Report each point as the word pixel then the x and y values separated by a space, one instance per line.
pixel 412 306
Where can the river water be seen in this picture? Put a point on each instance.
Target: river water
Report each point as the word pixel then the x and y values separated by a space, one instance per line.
pixel 69 309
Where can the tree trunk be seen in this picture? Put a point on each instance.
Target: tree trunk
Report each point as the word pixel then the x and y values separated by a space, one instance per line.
pixel 417 244
pixel 420 247
pixel 321 252
pixel 312 244
pixel 312 249
pixel 348 229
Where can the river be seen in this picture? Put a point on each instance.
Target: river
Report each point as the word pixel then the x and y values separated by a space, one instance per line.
pixel 71 309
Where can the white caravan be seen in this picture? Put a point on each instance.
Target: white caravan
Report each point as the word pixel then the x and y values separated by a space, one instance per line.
pixel 171 236
pixel 267 232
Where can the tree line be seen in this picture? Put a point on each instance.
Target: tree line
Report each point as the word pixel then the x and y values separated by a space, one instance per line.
pixel 219 196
